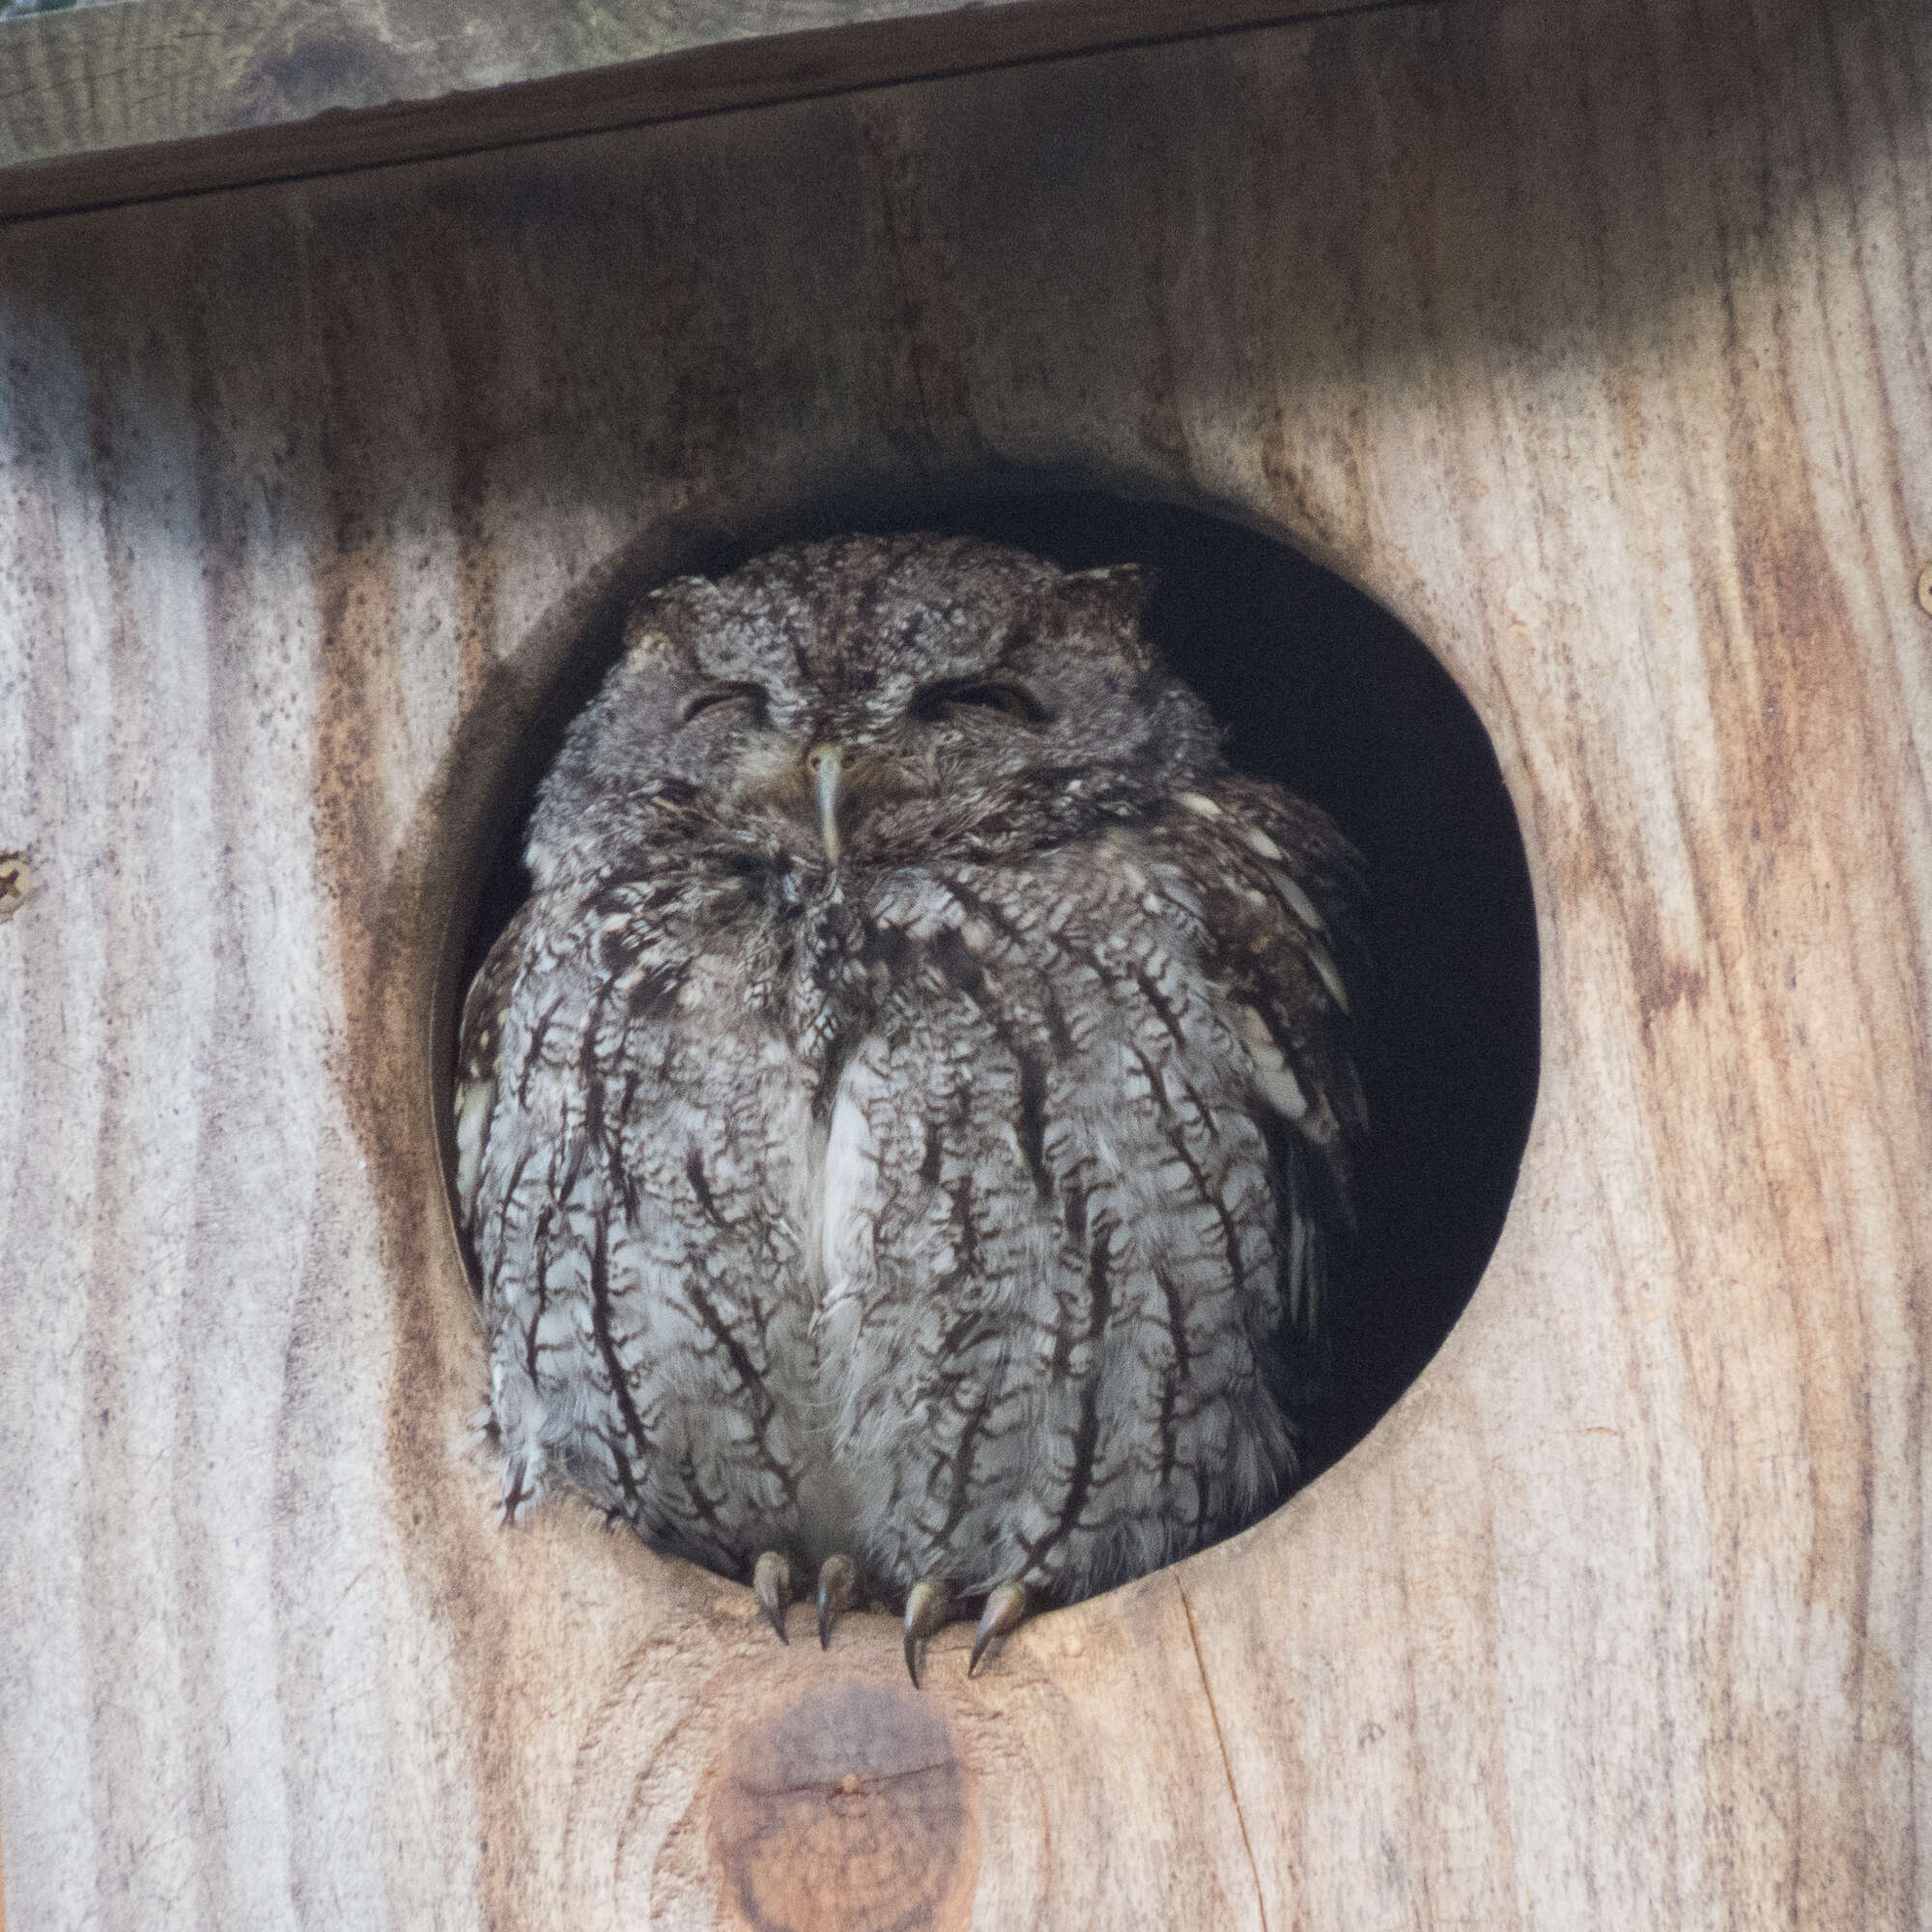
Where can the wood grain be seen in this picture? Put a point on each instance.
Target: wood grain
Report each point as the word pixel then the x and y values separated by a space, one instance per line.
pixel 182 96
pixel 1593 341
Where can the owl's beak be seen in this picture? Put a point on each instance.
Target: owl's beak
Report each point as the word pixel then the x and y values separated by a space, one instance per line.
pixel 827 765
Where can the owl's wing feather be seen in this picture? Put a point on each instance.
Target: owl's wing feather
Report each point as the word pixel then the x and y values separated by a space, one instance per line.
pixel 1278 887
pixel 616 1155
pixel 479 1045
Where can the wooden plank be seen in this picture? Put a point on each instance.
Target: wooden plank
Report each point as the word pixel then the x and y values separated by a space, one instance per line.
pixel 1594 342
pixel 169 96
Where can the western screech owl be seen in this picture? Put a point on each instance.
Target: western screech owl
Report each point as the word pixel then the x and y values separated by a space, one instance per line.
pixel 900 1133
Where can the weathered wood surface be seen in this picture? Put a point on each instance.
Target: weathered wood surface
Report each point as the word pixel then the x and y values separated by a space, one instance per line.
pixel 172 95
pixel 1593 341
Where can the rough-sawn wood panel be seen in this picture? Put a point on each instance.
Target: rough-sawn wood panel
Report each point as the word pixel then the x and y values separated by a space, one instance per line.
pixel 1593 341
pixel 168 97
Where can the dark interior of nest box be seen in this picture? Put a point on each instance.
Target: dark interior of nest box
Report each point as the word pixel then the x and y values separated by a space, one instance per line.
pixel 1323 690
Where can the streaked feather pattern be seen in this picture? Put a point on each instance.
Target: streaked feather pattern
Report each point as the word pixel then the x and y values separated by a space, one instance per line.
pixel 949 1204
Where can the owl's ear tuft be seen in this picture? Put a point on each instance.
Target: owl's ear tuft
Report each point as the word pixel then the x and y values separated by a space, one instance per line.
pixel 664 624
pixel 1102 611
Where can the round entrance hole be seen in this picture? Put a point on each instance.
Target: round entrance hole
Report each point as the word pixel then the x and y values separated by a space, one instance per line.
pixel 1318 688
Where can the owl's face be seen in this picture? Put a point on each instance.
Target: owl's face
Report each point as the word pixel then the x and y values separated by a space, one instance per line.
pixel 877 700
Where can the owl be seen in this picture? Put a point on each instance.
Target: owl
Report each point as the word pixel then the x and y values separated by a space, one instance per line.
pixel 902 1137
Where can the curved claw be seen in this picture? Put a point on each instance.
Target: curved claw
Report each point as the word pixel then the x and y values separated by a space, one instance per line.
pixel 1006 1610
pixel 838 1592
pixel 771 1584
pixel 928 1604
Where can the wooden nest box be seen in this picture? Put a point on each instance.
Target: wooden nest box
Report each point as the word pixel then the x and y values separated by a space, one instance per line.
pixel 1589 338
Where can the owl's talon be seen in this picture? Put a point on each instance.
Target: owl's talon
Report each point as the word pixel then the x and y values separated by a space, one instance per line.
pixel 771 1584
pixel 838 1592
pixel 928 1604
pixel 1006 1610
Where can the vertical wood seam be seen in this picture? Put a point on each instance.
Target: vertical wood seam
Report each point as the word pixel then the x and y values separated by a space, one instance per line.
pixel 1221 1744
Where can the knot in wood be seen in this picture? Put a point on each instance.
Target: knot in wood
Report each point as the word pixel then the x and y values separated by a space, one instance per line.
pixel 16 881
pixel 848 1810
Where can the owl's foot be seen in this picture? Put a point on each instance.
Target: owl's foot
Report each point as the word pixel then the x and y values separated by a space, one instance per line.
pixel 929 1606
pixel 838 1592
pixel 771 1584
pixel 1006 1610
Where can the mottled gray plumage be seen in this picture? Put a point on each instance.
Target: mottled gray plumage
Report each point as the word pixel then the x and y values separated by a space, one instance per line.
pixel 892 1125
